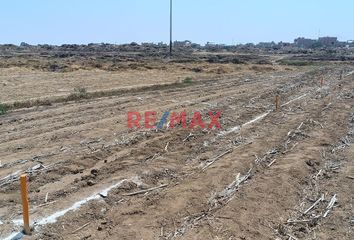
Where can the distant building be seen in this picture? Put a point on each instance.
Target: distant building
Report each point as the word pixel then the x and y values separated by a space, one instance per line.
pixel 214 47
pixel 328 41
pixel 266 45
pixel 284 44
pixel 162 44
pixel 304 42
pixel 349 43
pixel 210 45
pixel 185 43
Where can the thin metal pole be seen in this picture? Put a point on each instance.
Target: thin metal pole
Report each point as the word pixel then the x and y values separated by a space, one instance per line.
pixel 170 27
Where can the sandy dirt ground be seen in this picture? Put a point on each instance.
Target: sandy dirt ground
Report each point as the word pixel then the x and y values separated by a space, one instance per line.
pixel 267 174
pixel 21 84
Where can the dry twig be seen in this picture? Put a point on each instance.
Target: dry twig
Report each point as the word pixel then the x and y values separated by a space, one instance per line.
pixel 145 191
pixel 314 205
pixel 330 205
pixel 80 228
pixel 213 160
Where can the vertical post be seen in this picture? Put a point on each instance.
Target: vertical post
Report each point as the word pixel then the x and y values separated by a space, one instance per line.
pixel 170 27
pixel 322 81
pixel 277 102
pixel 25 204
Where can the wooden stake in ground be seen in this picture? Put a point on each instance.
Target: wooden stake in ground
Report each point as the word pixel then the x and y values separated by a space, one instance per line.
pixel 322 81
pixel 277 102
pixel 25 204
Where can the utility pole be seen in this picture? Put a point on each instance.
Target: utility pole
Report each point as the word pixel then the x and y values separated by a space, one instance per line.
pixel 170 27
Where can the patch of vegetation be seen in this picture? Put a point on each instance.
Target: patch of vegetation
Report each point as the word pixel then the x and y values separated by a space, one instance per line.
pixel 297 63
pixel 197 69
pixel 29 103
pixel 24 104
pixel 262 68
pixel 187 80
pixel 79 93
pixel 3 109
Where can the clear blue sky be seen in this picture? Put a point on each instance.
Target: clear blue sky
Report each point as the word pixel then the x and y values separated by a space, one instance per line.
pixel 221 21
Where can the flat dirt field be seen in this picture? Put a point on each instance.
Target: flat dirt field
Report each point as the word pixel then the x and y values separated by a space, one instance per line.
pixel 267 174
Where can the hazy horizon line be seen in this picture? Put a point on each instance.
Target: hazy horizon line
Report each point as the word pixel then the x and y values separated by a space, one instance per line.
pixel 163 42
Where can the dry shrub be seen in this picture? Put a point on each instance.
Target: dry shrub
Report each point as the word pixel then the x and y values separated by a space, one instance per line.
pixel 3 109
pixel 257 68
